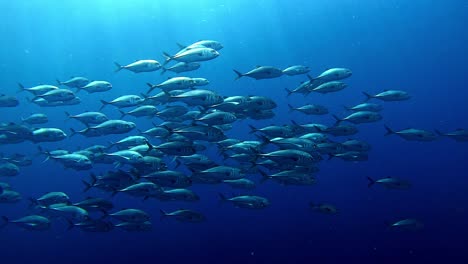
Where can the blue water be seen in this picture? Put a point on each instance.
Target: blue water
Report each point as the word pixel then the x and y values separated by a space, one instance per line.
pixel 418 46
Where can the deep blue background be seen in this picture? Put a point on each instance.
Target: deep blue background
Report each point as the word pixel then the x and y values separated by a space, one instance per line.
pixel 418 46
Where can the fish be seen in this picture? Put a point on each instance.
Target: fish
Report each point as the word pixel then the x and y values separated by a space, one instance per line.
pixel 38 90
pixel 460 135
pixel 144 110
pixel 241 183
pixel 389 95
pixel 296 70
pixel 135 227
pixel 10 196
pixel 290 177
pixel 123 101
pixel 95 204
pixel 324 208
pixel 130 141
pixel 365 107
pixel 140 66
pixel 51 198
pixel 171 84
pixel 74 160
pixel 75 82
pixel 58 95
pixel 196 54
pixel 184 215
pixel 8 101
pixel 92 225
pixel 70 212
pixel 412 134
pixel 360 117
pixel 200 81
pixel 217 118
pixel 220 173
pixel 212 44
pixel 356 145
pixel 35 119
pixel 198 97
pixel 47 135
pixel 328 87
pixel 8 169
pixel 131 216
pixel 89 117
pixel 409 224
pixel 106 128
pixel 30 222
pixel 44 103
pixel 178 195
pixel 96 87
pixel 142 189
pixel 260 72
pixel 310 109
pixel 182 67
pixel 247 201
pixel 333 74
pixel 169 178
pixel 390 183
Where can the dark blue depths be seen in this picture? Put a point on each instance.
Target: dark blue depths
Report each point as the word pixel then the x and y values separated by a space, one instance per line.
pixel 414 46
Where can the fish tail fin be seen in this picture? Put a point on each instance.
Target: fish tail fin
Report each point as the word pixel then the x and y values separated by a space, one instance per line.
pixel 163 70
pixel 150 146
pixel 167 58
pixel 87 186
pixel 288 91
pixel 151 87
pixel 73 132
pixel 291 108
pixel 439 133
pixel 331 156
pixel 119 67
pixel 68 115
pixel 114 192
pixel 252 129
pixel 178 163
pixel 70 224
pixel 122 114
pixel 5 221
pixel 239 75
pixel 21 88
pixel 32 202
pixel 264 139
pixel 58 82
pixel 347 108
pixel 181 46
pixel 371 182
pixel 222 197
pixel 338 120
pixel 311 79
pixel 264 175
pixel 163 214
pixel 104 103
pixel 368 96
pixel 389 130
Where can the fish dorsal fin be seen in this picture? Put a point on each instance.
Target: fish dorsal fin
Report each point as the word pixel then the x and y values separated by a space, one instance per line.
pixel 89 197
pixel 257 66
pixel 385 90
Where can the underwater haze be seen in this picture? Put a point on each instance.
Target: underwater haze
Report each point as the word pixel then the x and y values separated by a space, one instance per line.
pixel 417 46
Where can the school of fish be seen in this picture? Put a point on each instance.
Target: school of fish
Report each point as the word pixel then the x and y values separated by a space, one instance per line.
pixel 189 121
